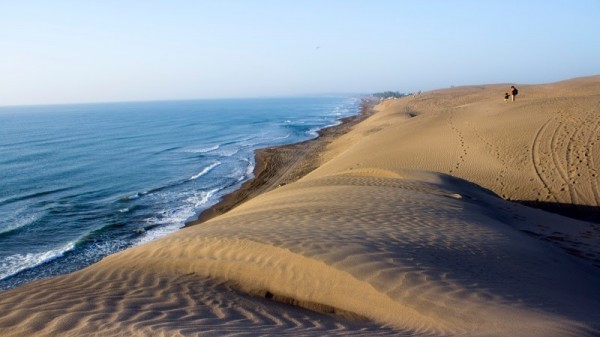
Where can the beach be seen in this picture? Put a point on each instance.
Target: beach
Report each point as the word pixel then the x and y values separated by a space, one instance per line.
pixel 410 220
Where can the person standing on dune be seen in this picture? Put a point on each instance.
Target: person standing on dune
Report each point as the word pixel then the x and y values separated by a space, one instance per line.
pixel 513 93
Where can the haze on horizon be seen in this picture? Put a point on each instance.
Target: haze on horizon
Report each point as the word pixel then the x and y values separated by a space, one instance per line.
pixel 102 51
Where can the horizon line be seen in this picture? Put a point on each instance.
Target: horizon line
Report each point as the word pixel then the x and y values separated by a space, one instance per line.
pixel 18 105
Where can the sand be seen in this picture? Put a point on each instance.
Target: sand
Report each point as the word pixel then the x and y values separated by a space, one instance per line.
pixel 404 228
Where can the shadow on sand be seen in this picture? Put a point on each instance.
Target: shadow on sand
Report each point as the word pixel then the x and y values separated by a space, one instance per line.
pixel 579 212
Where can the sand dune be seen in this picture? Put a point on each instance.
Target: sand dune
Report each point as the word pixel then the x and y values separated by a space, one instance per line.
pixel 391 235
pixel 543 147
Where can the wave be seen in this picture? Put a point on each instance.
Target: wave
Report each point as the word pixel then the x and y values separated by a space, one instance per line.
pixel 205 170
pixel 33 195
pixel 153 191
pixel 249 169
pixel 183 212
pixel 228 149
pixel 168 149
pixel 16 263
pixel 18 220
pixel 205 197
pixel 282 137
pixel 243 170
pixel 341 111
pixel 170 220
pixel 133 196
pixel 205 150
pixel 314 132
pixel 228 152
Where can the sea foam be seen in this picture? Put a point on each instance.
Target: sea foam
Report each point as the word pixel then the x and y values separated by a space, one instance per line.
pixel 205 170
pixel 16 263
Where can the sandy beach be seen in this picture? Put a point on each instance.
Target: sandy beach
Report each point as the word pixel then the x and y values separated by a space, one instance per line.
pixel 412 221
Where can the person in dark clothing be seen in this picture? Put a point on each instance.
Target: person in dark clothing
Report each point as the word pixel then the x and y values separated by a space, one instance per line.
pixel 513 93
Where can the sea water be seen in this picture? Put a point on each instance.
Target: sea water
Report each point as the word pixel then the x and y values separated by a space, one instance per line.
pixel 80 182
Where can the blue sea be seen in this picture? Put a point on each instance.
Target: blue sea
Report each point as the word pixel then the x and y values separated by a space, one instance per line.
pixel 80 182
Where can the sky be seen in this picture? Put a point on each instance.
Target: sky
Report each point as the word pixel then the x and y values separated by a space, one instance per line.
pixel 63 51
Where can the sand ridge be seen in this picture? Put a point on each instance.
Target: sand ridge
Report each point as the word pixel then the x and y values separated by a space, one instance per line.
pixel 391 235
pixel 543 147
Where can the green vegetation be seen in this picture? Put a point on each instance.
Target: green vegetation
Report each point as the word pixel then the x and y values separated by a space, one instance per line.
pixel 389 94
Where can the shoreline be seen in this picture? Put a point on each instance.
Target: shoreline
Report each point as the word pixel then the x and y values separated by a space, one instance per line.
pixel 282 165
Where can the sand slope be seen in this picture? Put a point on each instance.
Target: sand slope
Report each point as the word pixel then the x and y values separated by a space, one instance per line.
pixel 543 147
pixel 372 242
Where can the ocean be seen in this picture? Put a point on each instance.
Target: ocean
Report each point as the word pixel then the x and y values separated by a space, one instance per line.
pixel 80 182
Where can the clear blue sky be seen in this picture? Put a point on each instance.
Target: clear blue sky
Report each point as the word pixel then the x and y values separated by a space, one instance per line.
pixel 118 50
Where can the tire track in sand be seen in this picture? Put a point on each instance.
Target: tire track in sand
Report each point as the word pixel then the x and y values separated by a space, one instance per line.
pixel 557 143
pixel 590 142
pixel 537 160
pixel 562 157
pixel 580 133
